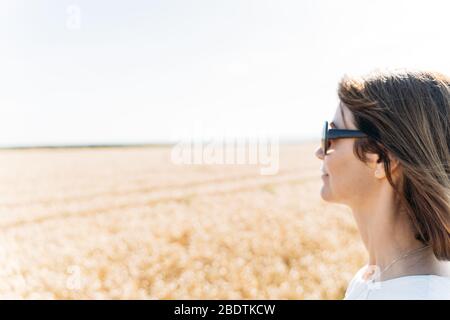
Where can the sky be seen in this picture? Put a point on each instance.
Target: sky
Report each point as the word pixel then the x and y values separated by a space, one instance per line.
pixel 115 72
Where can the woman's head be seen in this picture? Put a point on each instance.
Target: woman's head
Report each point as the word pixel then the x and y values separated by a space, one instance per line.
pixel 406 117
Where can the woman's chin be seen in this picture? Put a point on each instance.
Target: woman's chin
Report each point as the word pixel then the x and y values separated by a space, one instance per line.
pixel 324 193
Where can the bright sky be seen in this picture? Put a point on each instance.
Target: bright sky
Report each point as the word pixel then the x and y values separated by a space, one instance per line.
pixel 85 71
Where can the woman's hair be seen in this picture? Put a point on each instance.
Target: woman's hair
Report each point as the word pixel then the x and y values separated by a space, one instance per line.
pixel 406 113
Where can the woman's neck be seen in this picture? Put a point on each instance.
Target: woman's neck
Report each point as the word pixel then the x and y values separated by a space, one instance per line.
pixel 388 235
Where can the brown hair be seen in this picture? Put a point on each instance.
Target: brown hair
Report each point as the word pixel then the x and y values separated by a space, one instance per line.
pixel 406 114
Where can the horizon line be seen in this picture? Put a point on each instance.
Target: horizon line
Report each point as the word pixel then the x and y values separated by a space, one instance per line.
pixel 284 141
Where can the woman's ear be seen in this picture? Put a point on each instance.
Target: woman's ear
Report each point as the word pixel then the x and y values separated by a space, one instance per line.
pixel 380 170
pixel 394 163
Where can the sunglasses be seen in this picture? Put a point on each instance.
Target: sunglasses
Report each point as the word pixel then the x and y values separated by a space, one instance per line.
pixel 329 134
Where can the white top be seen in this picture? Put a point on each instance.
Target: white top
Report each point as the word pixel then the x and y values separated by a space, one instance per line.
pixel 417 287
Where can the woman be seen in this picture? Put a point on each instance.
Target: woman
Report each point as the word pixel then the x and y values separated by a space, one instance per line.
pixel 386 156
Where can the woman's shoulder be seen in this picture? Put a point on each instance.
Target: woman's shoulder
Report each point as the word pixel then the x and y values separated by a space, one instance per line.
pixel 407 287
pixel 412 287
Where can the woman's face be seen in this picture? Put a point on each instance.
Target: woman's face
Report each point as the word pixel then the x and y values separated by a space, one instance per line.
pixel 348 180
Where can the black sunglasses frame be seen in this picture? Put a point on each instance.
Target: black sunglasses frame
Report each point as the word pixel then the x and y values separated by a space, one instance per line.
pixel 330 134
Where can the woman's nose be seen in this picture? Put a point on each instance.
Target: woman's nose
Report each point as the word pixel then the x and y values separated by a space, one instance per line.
pixel 319 153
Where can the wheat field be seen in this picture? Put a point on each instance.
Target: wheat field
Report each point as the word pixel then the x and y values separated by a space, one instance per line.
pixel 127 223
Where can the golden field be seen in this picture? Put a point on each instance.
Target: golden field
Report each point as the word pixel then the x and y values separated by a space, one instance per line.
pixel 127 223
